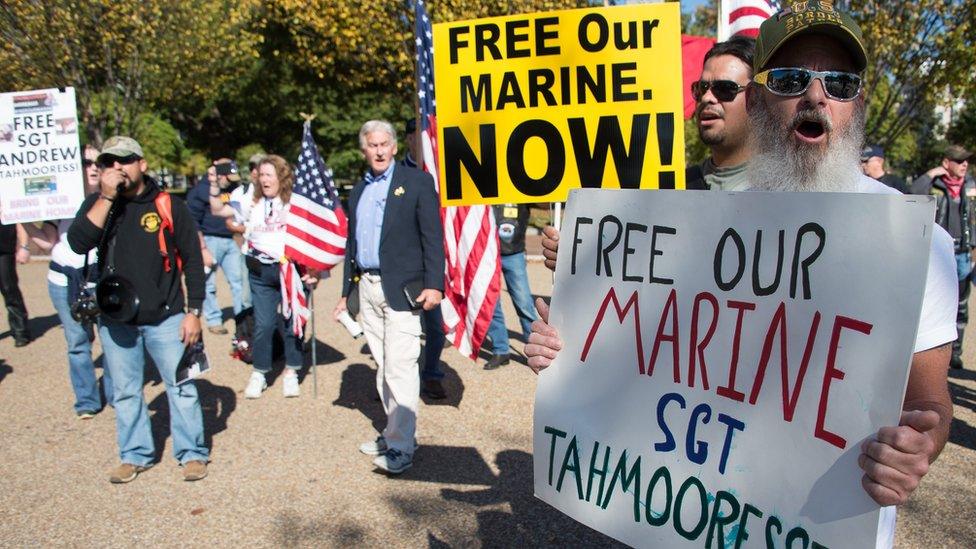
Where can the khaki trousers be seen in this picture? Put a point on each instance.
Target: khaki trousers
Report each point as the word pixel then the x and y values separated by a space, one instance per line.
pixel 394 340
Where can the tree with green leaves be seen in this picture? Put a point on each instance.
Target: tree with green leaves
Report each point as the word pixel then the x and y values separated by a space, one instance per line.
pixel 125 58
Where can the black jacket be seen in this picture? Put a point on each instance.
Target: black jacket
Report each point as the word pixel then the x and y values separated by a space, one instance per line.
pixel 955 216
pixel 512 220
pixel 198 200
pixel 137 255
pixel 411 239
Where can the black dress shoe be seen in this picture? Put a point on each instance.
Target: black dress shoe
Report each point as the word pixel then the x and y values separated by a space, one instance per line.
pixel 22 342
pixel 497 361
pixel 434 389
pixel 955 363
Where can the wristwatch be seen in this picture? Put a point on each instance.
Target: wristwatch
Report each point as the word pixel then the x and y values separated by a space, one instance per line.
pixel 194 311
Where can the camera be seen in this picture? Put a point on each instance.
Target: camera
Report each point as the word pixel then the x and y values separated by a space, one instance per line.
pixel 85 308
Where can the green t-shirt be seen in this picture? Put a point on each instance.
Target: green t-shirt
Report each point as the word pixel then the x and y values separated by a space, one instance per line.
pixel 733 178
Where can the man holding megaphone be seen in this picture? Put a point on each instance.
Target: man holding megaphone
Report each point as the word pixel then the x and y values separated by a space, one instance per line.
pixel 145 243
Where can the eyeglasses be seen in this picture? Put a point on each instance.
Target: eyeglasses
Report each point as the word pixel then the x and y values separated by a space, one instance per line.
pixel 792 82
pixel 109 161
pixel 86 163
pixel 723 90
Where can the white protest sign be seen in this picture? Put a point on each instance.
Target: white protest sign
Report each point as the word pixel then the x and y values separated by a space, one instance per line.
pixel 725 355
pixel 40 161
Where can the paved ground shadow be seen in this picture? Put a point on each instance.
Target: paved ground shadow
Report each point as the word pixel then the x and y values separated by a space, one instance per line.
pixel 357 391
pixel 960 432
pixel 453 386
pixel 448 465
pixel 4 369
pixel 291 529
pixel 324 354
pixel 217 403
pixel 531 523
pixel 38 326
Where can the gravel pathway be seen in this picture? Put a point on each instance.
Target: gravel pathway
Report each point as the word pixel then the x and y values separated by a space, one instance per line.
pixel 287 472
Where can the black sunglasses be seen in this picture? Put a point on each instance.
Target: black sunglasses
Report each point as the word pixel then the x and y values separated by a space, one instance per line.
pixel 86 163
pixel 109 161
pixel 723 90
pixel 794 81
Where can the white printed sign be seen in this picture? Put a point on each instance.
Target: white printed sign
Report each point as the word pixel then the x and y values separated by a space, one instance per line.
pixel 40 163
pixel 725 355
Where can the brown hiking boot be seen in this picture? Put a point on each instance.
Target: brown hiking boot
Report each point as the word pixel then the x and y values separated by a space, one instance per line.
pixel 194 470
pixel 126 472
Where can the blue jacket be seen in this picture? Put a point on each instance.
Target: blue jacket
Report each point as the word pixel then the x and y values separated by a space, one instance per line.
pixel 411 239
pixel 198 200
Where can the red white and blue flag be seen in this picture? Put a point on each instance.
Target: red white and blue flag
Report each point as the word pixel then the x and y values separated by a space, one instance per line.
pixel 743 17
pixel 315 230
pixel 473 266
pixel 316 225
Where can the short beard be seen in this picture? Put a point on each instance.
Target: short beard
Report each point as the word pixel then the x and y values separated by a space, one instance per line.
pixel 712 138
pixel 779 163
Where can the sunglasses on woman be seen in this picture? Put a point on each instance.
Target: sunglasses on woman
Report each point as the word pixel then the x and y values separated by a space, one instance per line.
pixel 793 81
pixel 723 90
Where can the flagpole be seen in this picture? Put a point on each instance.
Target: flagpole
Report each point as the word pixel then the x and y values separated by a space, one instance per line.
pixel 311 304
pixel 315 370
pixel 416 95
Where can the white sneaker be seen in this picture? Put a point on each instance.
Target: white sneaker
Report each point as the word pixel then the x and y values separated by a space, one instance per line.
pixel 255 385
pixel 394 461
pixel 289 385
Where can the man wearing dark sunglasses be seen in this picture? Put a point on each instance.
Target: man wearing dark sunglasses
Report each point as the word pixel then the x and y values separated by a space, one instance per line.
pixel 873 165
pixel 955 198
pixel 720 114
pixel 125 206
pixel 723 125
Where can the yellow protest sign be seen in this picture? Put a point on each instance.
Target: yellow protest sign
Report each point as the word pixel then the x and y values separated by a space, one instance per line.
pixel 531 106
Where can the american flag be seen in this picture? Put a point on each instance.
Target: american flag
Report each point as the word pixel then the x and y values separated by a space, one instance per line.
pixel 315 230
pixel 473 267
pixel 316 226
pixel 743 17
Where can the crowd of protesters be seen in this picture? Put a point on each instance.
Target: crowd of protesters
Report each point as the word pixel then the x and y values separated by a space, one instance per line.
pixel 803 85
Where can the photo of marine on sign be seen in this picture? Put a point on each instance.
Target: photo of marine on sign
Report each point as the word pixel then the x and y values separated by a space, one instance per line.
pixel 531 106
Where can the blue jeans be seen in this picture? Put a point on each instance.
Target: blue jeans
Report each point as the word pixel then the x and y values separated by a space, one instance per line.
pixel 517 281
pixel 266 295
pixel 434 344
pixel 227 255
pixel 125 347
pixel 81 369
pixel 964 265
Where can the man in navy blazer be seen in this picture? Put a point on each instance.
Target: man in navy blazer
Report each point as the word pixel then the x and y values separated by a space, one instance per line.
pixel 395 253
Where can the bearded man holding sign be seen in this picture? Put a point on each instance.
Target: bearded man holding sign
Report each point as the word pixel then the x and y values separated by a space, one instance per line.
pixel 807 113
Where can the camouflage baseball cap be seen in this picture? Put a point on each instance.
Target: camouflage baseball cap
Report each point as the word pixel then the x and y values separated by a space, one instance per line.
pixel 121 146
pixel 809 17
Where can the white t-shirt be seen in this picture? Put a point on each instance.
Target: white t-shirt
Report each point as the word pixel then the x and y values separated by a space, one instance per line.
pixel 936 323
pixel 62 254
pixel 264 227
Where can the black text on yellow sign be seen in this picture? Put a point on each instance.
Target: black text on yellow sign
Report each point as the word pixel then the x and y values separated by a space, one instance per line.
pixel 531 106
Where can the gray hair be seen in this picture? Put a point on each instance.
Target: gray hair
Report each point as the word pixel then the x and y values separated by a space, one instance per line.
pixel 376 126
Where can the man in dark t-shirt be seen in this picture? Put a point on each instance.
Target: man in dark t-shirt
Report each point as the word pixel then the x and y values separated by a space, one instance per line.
pixel 873 165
